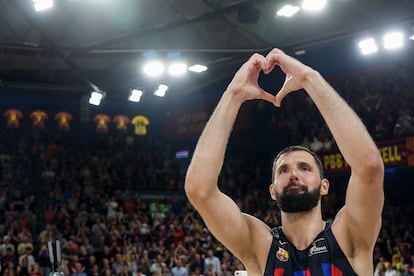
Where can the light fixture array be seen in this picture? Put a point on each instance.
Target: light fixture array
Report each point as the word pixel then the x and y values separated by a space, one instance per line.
pixel 390 41
pixel 153 69
pixel 369 45
pixel 156 68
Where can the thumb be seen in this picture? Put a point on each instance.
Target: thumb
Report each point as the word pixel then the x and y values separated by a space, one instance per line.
pixel 283 91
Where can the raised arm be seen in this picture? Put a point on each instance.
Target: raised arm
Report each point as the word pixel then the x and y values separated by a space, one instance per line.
pixel 219 212
pixel 358 224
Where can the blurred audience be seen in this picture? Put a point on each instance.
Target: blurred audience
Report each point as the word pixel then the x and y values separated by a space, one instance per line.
pixel 118 208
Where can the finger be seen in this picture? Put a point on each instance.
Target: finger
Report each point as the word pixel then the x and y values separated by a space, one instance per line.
pixel 264 95
pixel 275 51
pixel 282 92
pixel 279 97
pixel 259 61
pixel 272 59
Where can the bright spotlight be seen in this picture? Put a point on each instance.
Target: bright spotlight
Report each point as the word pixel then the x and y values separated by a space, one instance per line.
pixel 154 68
pixel 96 98
pixel 135 95
pixel 287 11
pixel 161 90
pixel 368 46
pixel 177 69
pixel 313 5
pixel 197 68
pixel 41 5
pixel 393 40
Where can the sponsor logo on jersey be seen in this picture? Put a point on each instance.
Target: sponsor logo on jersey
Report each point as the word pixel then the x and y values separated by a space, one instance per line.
pixel 318 247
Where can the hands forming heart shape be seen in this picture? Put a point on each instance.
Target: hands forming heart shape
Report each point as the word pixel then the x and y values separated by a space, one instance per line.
pixel 245 81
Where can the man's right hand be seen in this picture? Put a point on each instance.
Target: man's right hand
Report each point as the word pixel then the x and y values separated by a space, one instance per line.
pixel 245 82
pixel 296 72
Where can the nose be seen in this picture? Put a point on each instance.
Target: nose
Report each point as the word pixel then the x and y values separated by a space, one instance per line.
pixel 293 174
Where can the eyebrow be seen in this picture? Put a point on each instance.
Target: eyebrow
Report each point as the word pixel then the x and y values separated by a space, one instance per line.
pixel 304 163
pixel 281 167
pixel 300 164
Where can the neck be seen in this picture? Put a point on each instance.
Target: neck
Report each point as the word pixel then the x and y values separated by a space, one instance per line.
pixel 302 228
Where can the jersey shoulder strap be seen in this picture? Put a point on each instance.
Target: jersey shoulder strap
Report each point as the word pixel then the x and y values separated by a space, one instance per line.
pixel 277 232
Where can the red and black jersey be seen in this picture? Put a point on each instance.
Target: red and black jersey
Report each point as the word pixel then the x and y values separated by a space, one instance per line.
pixel 322 257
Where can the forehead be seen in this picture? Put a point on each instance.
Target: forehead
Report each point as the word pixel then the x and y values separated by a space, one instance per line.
pixel 295 157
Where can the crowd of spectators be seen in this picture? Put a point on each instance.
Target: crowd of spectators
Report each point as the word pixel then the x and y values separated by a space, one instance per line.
pixel 118 208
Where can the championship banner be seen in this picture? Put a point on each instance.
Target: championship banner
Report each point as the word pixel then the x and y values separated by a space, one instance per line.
pixel 395 153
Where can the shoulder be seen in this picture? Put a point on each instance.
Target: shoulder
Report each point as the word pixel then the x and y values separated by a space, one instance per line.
pixel 255 260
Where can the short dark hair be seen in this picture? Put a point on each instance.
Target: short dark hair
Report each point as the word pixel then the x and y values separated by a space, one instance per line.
pixel 289 149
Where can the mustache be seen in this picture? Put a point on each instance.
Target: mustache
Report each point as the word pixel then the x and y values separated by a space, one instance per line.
pixel 295 184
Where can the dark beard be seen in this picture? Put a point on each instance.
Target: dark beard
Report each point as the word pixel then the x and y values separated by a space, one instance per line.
pixel 296 201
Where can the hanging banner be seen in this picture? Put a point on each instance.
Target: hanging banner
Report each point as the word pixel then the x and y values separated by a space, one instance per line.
pixel 13 116
pixel 121 122
pixel 395 153
pixel 63 118
pixel 188 122
pixel 38 118
pixel 140 122
pixel 102 121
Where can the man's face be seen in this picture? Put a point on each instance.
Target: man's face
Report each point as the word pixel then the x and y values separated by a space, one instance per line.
pixel 297 186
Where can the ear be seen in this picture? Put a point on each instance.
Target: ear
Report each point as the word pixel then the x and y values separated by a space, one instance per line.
pixel 272 191
pixel 324 186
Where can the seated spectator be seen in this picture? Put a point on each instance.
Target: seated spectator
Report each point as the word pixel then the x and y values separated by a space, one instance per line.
pixel 27 256
pixel 5 245
pixel 24 245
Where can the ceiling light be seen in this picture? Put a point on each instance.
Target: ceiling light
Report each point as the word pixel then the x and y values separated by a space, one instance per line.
pixel 96 97
pixel 197 68
pixel 300 52
pixel 313 5
pixel 135 95
pixel 393 40
pixel 41 5
pixel 287 11
pixel 161 90
pixel 177 69
pixel 368 46
pixel 153 68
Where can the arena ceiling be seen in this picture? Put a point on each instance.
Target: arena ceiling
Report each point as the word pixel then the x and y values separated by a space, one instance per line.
pixel 80 43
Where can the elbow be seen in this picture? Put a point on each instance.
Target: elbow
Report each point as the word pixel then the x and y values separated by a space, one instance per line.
pixel 189 186
pixel 196 187
pixel 192 185
pixel 374 165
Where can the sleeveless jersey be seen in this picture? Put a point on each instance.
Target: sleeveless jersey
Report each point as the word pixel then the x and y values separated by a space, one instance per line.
pixel 323 257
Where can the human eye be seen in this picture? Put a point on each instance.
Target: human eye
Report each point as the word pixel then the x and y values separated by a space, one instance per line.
pixel 283 170
pixel 305 168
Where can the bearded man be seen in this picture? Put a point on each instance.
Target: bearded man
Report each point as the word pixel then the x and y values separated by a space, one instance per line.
pixel 304 244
